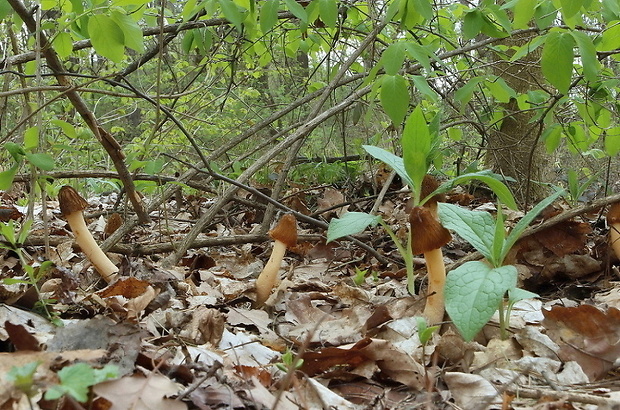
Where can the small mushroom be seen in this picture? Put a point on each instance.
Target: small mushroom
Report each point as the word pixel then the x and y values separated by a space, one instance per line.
pixel 427 237
pixel 72 206
pixel 285 236
pixel 613 220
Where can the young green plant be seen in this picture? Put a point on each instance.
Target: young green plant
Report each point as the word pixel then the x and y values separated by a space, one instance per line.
pixel 420 142
pixel 476 290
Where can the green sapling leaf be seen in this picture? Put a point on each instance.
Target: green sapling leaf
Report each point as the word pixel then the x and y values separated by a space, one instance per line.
pixel 23 377
pixel 350 224
pixel 75 381
pixel 517 294
pixel 417 145
pixel 522 225
pixel 473 292
pixel 393 161
pixel 476 227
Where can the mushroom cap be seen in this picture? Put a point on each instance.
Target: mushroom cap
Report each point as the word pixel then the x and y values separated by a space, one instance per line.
pixel 70 201
pixel 426 231
pixel 429 184
pixel 286 230
pixel 613 215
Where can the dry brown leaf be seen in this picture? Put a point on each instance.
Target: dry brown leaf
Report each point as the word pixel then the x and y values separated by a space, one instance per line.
pixel 140 393
pixel 471 391
pixel 586 335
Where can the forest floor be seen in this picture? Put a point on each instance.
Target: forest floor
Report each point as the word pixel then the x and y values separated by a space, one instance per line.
pixel 338 332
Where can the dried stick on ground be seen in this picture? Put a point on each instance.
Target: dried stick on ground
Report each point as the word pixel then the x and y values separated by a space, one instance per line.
pixel 106 139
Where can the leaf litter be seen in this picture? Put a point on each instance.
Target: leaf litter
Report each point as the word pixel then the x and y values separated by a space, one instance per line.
pixel 192 336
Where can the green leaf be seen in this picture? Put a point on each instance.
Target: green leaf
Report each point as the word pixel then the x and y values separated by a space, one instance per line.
pixel 570 7
pixel 463 94
pixel 23 377
pixel 106 37
pixel 268 15
pixel 587 52
pixel 395 97
pixel 552 137
pixel 501 91
pixel 422 86
pixel 393 161
pixel 425 8
pixel 417 144
pixel 16 151
pixel 476 227
pixel 557 60
pixel 611 37
pixel 328 10
pixel 232 13
pixel 523 13
pixel 131 30
pixel 67 128
pixel 472 24
pixel 517 294
pixel 63 44
pixel 350 224
pixel 75 381
pixel 7 177
pixel 393 57
pixel 41 160
pixel 297 10
pixel 497 186
pixel 473 293
pixel 5 9
pixel 522 225
pixel 612 141
pixel 31 138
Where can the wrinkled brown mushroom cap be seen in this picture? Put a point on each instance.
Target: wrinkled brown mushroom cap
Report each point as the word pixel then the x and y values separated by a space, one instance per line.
pixel 70 201
pixel 613 215
pixel 285 231
pixel 430 184
pixel 426 231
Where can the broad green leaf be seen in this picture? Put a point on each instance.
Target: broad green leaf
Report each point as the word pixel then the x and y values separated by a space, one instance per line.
pixel 187 41
pixel 393 58
pixel 420 54
pixel 417 144
pixel 476 227
pixel 131 31
pixel 16 151
pixel 7 177
pixel 587 52
pixel 41 160
pixel 297 10
pixel 557 60
pixel 425 8
pixel 612 141
pixel 328 10
pixel 552 137
pixel 517 294
pixel 394 97
pixel 350 224
pixel 393 161
pixel 63 44
pixel 473 292
pixel 268 15
pixel 523 13
pixel 611 37
pixel 75 381
pixel 498 187
pixel 500 90
pixel 232 13
pixel 463 94
pixel 154 167
pixel 422 86
pixel 23 376
pixel 31 138
pixel 472 24
pixel 5 9
pixel 522 225
pixel 106 37
pixel 570 7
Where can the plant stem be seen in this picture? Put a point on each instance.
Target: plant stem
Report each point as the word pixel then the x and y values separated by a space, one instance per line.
pixel 405 253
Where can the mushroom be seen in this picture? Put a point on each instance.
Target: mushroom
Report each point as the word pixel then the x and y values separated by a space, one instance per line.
pixel 613 220
pixel 285 236
pixel 427 237
pixel 72 206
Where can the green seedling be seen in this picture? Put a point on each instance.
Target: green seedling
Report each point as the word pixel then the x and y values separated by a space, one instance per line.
pixel 420 143
pixel 476 290
pixel 288 359
pixel 76 380
pixel 360 276
pixel 23 377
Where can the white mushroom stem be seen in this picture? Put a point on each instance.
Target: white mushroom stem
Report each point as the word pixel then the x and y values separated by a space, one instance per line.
pixel 89 246
pixel 268 277
pixel 434 309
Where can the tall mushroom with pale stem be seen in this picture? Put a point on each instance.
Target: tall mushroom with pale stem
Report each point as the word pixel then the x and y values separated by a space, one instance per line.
pixel 427 237
pixel 285 236
pixel 72 206
pixel 613 220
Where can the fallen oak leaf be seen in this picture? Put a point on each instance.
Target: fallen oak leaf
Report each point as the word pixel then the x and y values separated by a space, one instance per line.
pixel 586 335
pixel 140 393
